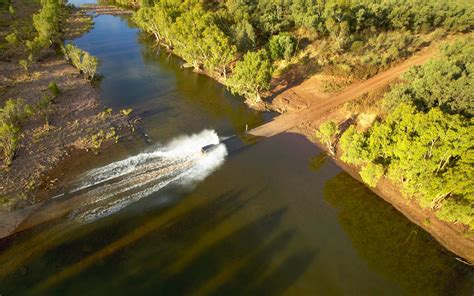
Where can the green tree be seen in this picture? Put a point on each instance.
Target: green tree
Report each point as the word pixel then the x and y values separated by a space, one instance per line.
pixel 282 46
pixel 243 34
pixel 371 173
pixel 354 146
pixel 447 83
pixel 428 154
pixel 271 16
pixel 217 50
pixel 47 23
pixel 252 75
pixel 326 133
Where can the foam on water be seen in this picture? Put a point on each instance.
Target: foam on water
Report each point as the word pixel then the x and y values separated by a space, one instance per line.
pixel 110 188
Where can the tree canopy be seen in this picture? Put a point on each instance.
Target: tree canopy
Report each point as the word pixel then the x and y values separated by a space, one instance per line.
pixel 212 34
pixel 447 83
pixel 428 154
pixel 252 75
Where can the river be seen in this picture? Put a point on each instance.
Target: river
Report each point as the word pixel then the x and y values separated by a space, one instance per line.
pixel 152 215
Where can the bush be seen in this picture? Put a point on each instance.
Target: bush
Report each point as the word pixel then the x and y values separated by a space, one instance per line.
pixel 54 89
pixel 12 39
pixel 82 60
pixel 8 142
pixel 126 112
pixel 11 117
pixel 25 65
pixel 47 21
pixel 282 46
pixel 35 47
pixel 14 112
pixel 44 107
pixel 357 46
pixel 371 173
pixel 326 133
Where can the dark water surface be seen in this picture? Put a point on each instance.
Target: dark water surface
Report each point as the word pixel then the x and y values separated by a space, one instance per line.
pixel 276 217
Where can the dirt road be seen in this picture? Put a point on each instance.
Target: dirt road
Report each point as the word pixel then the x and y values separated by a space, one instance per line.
pixel 322 106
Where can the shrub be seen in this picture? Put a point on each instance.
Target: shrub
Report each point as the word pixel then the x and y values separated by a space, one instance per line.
pixel 14 112
pixel 12 39
pixel 8 142
pixel 47 25
pixel 54 89
pixel 326 133
pixel 35 47
pixel 25 65
pixel 82 60
pixel 44 107
pixel 371 173
pixel 47 21
pixel 11 117
pixel 126 112
pixel 282 46
pixel 357 46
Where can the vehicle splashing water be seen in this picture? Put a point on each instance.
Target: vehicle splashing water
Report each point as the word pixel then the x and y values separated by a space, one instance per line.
pixel 106 190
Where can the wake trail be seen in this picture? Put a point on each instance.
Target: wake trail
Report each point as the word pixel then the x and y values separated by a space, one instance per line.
pixel 108 189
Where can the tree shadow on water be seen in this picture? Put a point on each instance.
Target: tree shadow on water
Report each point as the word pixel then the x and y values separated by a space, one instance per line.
pixel 190 252
pixel 236 263
pixel 258 278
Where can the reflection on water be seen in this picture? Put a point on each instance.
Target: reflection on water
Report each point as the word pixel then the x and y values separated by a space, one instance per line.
pixel 277 217
pixel 138 75
pixel 392 245
pixel 246 229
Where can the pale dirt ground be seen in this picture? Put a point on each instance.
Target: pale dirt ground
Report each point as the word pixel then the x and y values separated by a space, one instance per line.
pixel 75 117
pixel 318 105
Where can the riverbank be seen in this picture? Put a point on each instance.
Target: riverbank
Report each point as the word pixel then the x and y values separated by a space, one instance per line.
pixel 75 121
pixel 306 118
pixel 452 236
pixel 287 107
pixel 304 103
pixel 105 9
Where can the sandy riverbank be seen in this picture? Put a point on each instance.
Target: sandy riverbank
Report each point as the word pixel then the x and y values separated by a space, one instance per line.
pixel 76 116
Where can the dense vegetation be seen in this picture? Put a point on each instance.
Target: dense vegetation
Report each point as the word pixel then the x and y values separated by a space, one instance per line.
pixel 357 37
pixel 425 143
pixel 47 23
pixel 446 83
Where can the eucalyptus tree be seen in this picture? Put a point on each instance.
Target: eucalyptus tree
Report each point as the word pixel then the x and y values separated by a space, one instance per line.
pixel 252 75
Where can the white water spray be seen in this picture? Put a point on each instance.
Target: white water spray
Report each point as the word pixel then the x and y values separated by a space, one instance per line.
pixel 110 188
